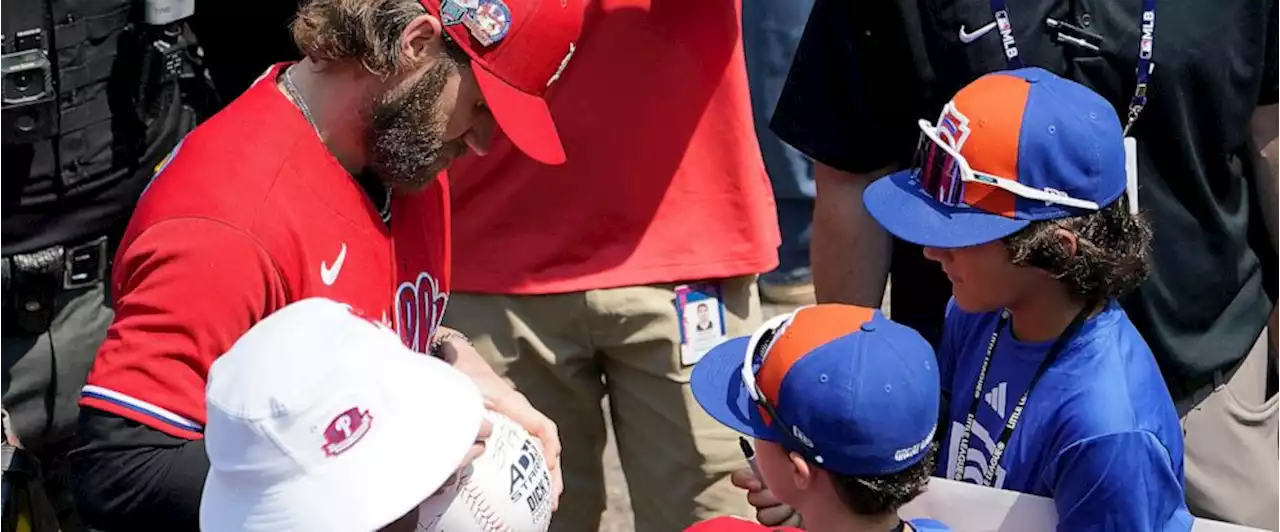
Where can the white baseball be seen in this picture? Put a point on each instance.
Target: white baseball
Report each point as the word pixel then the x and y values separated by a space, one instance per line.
pixel 506 489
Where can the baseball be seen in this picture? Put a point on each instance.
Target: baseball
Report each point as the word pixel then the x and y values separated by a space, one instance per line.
pixel 506 489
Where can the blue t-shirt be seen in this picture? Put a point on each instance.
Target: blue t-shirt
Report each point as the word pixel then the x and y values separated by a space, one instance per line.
pixel 1099 434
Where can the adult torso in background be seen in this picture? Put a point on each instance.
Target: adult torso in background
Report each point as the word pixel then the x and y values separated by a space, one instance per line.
pixel 1213 282
pixel 115 120
pixel 664 180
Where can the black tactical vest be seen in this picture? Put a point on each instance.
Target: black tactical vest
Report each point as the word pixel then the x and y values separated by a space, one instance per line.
pixel 77 156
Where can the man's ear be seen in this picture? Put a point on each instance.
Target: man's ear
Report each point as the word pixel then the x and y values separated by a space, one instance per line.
pixel 801 473
pixel 422 40
pixel 1068 241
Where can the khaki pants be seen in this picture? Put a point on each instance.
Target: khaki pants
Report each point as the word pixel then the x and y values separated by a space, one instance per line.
pixel 1230 443
pixel 566 351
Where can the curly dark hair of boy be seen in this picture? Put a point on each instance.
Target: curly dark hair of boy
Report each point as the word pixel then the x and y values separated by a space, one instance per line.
pixel 1111 255
pixel 884 494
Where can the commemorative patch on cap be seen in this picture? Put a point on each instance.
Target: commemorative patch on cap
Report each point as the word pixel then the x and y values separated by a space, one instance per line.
pixel 452 11
pixel 489 21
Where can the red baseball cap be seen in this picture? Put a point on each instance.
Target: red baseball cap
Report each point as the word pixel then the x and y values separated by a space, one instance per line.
pixel 518 48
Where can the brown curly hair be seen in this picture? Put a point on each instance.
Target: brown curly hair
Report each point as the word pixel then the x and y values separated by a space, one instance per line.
pixel 884 494
pixel 1111 255
pixel 367 31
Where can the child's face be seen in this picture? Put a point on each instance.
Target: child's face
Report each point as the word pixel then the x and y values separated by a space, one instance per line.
pixel 982 277
pixel 778 471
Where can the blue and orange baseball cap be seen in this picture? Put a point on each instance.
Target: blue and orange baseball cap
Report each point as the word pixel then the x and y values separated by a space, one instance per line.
pixel 841 385
pixel 1010 148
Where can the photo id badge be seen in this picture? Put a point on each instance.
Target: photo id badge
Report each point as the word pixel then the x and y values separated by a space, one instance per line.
pixel 701 316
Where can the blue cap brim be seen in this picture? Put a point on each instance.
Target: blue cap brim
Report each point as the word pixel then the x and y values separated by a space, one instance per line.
pixel 905 211
pixel 717 386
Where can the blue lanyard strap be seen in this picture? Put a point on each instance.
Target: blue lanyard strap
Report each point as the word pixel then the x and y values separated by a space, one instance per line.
pixel 1145 45
pixel 1005 26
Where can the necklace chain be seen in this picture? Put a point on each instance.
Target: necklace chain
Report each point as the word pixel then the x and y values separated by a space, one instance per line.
pixel 384 210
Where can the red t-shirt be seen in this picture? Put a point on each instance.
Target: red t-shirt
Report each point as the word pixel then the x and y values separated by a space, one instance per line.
pixel 249 214
pixel 664 180
pixel 734 524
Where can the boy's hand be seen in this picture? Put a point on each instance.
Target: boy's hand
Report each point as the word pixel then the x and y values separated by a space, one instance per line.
pixel 769 510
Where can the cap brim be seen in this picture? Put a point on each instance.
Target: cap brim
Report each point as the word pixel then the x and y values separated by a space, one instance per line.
pixel 523 117
pixel 717 386
pixel 907 212
pixel 404 458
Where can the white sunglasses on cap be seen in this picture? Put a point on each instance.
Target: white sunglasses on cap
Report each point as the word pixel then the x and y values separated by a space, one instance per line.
pixel 757 351
pixel 942 172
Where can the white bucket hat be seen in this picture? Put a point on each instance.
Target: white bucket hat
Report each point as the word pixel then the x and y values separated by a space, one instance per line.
pixel 320 420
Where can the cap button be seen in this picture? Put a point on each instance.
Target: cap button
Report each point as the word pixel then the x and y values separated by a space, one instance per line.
pixel 1032 76
pixel 868 327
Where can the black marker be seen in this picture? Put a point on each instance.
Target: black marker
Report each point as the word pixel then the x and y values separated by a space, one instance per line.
pixel 750 453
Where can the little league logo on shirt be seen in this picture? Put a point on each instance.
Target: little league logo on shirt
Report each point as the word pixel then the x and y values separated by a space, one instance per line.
pixel 978 459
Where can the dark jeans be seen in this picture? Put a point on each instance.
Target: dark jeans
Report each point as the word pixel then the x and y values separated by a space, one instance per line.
pixel 771 30
pixel 43 374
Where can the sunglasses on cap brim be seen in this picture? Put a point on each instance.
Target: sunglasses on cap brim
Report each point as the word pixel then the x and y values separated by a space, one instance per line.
pixel 757 351
pixel 943 174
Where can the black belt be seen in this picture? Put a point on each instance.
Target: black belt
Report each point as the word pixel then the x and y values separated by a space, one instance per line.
pixel 32 281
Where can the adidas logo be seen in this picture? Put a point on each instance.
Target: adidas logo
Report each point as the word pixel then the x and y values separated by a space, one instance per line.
pixel 996 398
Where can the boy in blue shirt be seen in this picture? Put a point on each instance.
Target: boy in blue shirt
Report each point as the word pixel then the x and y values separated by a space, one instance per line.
pixel 843 405
pixel 1019 194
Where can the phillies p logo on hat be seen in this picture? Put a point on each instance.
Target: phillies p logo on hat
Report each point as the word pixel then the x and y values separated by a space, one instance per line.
pixel 346 430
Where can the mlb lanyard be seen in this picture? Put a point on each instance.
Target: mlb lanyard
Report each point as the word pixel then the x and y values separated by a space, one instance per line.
pixel 1145 44
pixel 989 475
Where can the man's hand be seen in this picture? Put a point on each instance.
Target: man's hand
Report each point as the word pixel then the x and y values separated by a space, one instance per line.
pixel 477 449
pixel 503 399
pixel 769 510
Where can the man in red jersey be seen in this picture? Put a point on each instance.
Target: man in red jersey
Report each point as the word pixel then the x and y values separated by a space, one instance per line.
pixel 587 278
pixel 318 181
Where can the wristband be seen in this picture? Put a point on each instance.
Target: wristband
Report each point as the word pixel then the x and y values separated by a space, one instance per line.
pixel 448 334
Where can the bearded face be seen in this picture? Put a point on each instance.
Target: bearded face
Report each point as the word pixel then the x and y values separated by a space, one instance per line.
pixel 406 136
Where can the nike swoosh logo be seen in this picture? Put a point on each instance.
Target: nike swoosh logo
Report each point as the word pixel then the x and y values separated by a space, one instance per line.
pixel 977 34
pixel 330 274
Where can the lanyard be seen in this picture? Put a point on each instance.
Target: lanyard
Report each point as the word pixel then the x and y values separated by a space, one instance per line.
pixel 1054 350
pixel 1145 44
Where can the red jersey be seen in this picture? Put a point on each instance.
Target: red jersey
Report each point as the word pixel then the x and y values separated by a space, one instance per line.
pixel 250 213
pixel 663 180
pixel 734 524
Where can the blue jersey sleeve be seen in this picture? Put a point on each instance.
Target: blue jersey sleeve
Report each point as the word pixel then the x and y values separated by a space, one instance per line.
pixel 1119 481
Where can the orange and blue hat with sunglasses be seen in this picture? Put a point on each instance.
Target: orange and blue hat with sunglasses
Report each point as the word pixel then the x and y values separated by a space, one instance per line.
pixel 1009 149
pixel 842 386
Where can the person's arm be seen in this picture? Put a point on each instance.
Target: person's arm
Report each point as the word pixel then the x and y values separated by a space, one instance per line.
pixel 501 397
pixel 185 291
pixel 1264 126
pixel 1119 481
pixel 850 103
pixel 132 477
pixel 849 251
